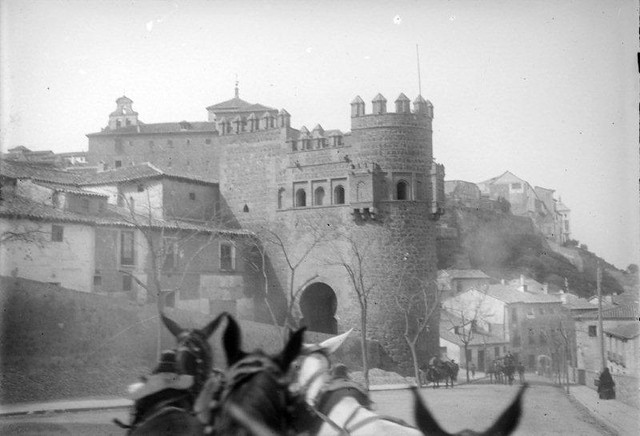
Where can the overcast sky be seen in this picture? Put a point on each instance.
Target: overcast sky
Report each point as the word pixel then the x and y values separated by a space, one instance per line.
pixel 545 89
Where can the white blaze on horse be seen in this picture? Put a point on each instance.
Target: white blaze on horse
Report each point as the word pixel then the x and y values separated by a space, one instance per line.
pixel 340 405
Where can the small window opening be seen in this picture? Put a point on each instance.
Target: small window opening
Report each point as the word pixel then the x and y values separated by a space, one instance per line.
pixel 402 190
pixel 245 209
pixel 318 196
pixel 118 163
pixel 281 198
pixel 338 195
pixel 192 195
pixel 301 198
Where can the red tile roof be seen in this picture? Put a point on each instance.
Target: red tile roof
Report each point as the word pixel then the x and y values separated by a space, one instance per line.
pixel 37 172
pixel 617 312
pixel 142 128
pixel 24 208
pixel 138 172
pixel 511 294
pixel 626 331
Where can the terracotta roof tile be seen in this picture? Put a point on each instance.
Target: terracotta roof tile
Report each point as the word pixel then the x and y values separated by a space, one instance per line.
pixel 34 171
pixel 617 312
pixel 137 172
pixel 626 331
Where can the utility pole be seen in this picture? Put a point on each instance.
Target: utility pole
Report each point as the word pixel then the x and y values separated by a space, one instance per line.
pixel 598 280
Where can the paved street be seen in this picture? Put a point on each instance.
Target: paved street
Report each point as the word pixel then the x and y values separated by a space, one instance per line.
pixel 546 411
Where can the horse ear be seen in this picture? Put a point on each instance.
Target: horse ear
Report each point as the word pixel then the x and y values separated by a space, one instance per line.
pixel 292 350
pixel 232 341
pixel 213 325
pixel 426 423
pixel 509 419
pixel 173 326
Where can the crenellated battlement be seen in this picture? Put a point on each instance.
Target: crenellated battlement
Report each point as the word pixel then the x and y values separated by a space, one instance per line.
pixel 421 116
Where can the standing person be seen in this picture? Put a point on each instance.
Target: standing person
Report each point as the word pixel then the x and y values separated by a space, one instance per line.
pixel 606 386
pixel 473 370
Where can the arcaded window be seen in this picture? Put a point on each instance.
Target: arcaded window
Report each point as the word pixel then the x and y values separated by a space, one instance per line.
pixel 402 190
pixel 338 195
pixel 318 196
pixel 280 198
pixel 301 198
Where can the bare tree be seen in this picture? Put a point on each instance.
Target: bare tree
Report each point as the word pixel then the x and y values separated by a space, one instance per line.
pixel 355 260
pixel 559 338
pixel 466 318
pixel 28 233
pixel 418 305
pixel 295 249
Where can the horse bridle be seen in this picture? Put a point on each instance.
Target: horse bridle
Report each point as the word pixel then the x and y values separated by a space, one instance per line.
pixel 192 337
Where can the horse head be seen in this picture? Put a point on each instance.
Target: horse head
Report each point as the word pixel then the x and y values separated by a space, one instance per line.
pixel 504 425
pixel 194 355
pixel 314 365
pixel 256 397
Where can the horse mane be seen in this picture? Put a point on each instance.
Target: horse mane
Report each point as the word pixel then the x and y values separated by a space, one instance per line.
pixel 257 387
pixel 263 397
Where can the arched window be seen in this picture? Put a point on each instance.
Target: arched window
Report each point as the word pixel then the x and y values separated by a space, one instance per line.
pixel 301 198
pixel 318 196
pixel 118 124
pixel 402 190
pixel 338 195
pixel 280 198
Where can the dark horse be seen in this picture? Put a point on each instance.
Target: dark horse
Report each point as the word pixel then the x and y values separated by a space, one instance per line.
pixel 255 398
pixel 169 411
pixel 503 426
pixel 447 371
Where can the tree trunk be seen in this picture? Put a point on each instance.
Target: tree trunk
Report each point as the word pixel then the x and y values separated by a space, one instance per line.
pixel 414 357
pixel 363 345
pixel 466 361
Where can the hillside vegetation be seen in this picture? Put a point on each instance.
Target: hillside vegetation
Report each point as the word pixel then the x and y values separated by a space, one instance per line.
pixel 506 246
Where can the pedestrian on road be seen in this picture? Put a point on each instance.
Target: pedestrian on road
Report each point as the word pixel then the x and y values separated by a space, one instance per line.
pixel 606 386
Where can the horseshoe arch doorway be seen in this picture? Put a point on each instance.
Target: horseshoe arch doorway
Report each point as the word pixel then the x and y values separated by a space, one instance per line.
pixel 318 304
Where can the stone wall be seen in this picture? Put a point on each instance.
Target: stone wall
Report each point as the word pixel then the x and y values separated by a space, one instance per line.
pixel 59 343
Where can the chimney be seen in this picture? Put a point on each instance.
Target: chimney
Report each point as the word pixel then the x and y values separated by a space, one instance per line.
pixel 522 287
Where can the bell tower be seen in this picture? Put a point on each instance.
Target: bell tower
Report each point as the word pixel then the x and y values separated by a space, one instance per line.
pixel 124 115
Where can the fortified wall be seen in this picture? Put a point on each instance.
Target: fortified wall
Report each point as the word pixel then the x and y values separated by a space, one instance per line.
pixel 378 185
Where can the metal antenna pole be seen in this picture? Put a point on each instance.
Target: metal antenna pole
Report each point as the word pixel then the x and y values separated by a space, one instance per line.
pixel 419 81
pixel 598 280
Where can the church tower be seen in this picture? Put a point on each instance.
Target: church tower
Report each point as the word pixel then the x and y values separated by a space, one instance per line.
pixel 124 115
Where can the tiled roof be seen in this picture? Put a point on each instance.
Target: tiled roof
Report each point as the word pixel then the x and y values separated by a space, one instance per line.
pixel 449 320
pixel 511 294
pixel 574 302
pixel 28 170
pixel 618 312
pixel 137 172
pixel 626 331
pixel 70 189
pixel 142 128
pixel 466 274
pixel 24 208
pixel 237 104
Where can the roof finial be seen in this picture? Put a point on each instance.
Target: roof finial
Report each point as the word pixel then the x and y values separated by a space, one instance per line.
pixel 237 90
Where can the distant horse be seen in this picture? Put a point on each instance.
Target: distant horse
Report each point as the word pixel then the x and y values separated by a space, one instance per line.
pixel 255 398
pixel 164 401
pixel 447 371
pixel 503 426
pixel 339 406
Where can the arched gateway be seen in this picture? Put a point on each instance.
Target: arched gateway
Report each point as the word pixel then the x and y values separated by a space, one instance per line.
pixel 318 305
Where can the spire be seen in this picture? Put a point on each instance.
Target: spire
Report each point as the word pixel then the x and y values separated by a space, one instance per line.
pixel 236 89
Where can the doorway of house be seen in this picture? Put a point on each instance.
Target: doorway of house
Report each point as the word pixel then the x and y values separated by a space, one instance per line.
pixel 318 304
